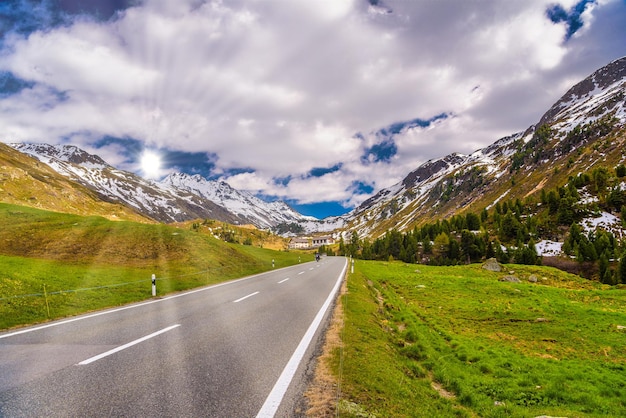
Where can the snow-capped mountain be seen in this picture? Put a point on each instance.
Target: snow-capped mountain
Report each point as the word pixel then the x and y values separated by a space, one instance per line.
pixel 178 197
pixel 243 204
pixel 601 93
pixel 123 187
pixel 516 166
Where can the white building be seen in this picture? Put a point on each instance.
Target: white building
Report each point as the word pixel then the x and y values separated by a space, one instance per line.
pixel 323 240
pixel 299 243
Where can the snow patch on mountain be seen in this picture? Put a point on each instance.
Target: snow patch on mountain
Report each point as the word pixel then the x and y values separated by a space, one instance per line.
pixel 606 221
pixel 241 203
pixel 549 248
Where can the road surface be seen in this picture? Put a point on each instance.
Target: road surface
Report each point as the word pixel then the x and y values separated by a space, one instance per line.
pixel 228 350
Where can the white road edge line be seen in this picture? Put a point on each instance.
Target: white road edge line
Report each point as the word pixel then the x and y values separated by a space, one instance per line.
pixel 245 297
pixel 125 346
pixel 274 399
pixel 283 280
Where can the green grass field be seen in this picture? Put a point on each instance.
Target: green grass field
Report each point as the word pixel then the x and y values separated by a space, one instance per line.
pixel 423 341
pixel 55 265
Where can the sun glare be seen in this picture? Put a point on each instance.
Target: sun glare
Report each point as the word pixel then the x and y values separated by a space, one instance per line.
pixel 150 164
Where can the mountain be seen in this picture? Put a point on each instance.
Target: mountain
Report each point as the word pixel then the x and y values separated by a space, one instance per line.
pixel 179 197
pixel 584 129
pixel 246 206
pixel 26 181
pixel 122 187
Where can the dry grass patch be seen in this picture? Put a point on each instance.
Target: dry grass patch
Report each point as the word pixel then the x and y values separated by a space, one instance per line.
pixel 323 393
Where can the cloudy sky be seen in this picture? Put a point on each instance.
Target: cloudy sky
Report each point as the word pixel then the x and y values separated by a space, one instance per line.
pixel 317 102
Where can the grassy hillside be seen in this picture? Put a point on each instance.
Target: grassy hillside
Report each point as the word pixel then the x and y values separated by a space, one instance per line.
pixel 239 234
pixel 88 263
pixel 423 341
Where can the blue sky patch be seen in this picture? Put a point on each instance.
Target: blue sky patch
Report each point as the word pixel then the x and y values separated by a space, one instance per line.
pixel 9 84
pixel 99 9
pixel 382 151
pixel 27 16
pixel 190 162
pixel 282 181
pixel 129 147
pixel 386 148
pixel 359 187
pixel 322 171
pixel 398 127
pixel 319 210
pixel 571 18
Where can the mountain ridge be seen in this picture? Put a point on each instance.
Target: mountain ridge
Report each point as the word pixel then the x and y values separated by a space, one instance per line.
pixel 440 188
pixel 26 181
pixel 178 197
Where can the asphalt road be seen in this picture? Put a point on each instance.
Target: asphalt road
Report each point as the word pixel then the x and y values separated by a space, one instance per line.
pixel 228 350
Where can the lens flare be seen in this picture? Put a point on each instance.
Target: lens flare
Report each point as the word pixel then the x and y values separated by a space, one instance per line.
pixel 150 164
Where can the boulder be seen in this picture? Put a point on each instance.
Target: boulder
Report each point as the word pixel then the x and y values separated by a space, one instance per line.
pixel 492 265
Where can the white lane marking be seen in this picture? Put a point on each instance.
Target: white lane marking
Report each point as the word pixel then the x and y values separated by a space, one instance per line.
pixel 125 346
pixel 283 280
pixel 302 272
pixel 274 399
pixel 246 297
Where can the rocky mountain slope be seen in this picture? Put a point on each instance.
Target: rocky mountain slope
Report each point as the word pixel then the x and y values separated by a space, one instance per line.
pixel 179 197
pixel 584 129
pixel 122 187
pixel 245 205
pixel 27 182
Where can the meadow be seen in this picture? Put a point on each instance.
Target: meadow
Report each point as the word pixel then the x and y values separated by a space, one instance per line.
pixel 54 265
pixel 424 341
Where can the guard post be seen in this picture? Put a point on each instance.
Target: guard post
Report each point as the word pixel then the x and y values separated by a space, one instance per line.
pixel 153 285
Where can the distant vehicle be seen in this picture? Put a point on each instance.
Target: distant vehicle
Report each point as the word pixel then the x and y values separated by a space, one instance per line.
pixel 317 256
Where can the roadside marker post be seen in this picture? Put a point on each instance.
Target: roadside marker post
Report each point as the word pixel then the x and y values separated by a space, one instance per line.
pixel 45 294
pixel 153 285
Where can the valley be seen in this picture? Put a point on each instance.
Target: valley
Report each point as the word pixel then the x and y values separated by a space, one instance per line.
pixel 426 330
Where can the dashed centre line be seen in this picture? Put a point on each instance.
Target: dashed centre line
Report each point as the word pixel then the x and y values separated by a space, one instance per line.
pixel 246 297
pixel 125 346
pixel 283 280
pixel 302 272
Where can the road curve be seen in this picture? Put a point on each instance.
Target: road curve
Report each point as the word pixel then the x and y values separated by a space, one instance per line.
pixel 229 350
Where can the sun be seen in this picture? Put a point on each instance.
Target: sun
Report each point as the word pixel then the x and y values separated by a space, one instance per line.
pixel 150 164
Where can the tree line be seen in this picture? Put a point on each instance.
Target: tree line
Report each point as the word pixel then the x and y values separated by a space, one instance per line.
pixel 509 230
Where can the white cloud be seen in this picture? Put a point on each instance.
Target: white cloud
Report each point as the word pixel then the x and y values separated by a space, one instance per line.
pixel 281 88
